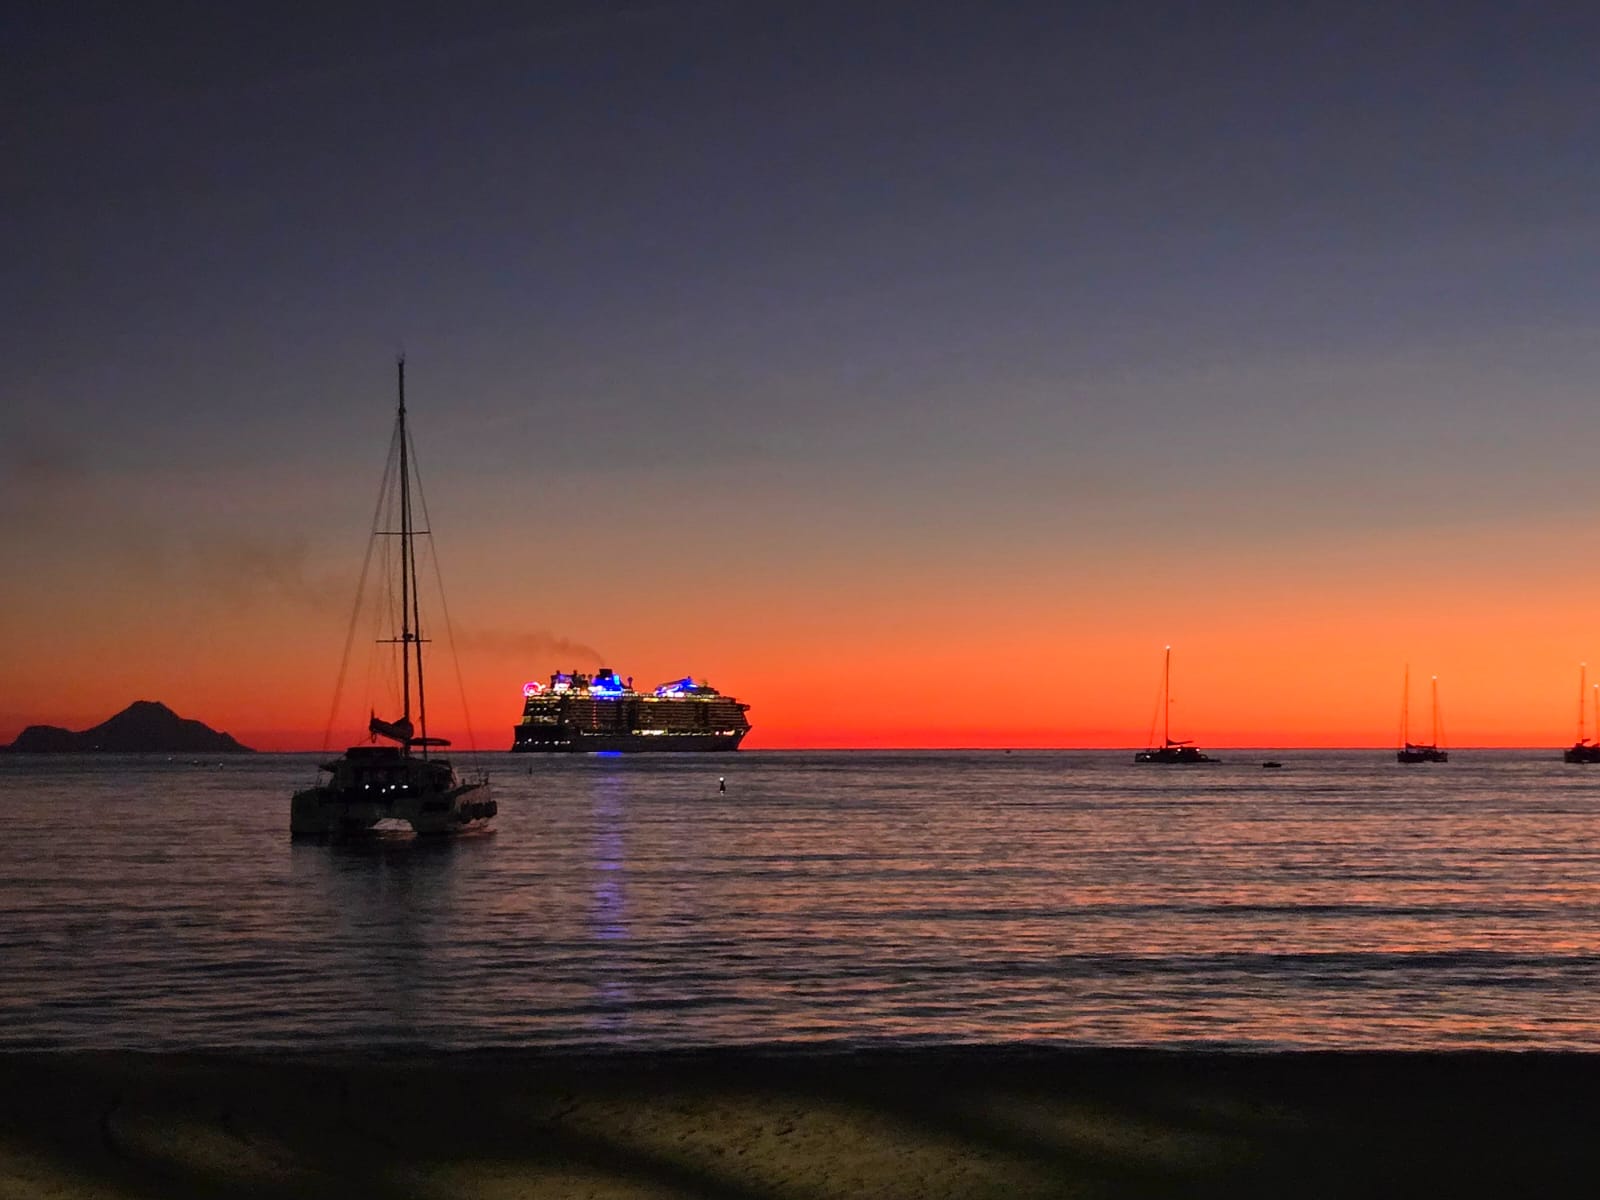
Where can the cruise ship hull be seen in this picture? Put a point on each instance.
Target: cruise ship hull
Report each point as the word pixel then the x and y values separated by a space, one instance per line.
pixel 560 740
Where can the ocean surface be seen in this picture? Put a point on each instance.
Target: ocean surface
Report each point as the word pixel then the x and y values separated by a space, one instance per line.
pixel 827 898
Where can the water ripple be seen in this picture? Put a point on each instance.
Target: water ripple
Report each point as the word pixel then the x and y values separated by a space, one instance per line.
pixel 834 899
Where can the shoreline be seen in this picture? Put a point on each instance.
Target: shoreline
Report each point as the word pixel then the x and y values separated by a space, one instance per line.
pixel 998 1120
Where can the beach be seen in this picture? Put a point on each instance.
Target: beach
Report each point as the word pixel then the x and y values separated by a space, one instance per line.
pixel 743 1125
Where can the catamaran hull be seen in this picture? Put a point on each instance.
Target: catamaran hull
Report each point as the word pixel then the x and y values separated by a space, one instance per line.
pixel 331 812
pixel 1173 756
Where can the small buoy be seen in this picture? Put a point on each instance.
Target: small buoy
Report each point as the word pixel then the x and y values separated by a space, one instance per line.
pixel 722 784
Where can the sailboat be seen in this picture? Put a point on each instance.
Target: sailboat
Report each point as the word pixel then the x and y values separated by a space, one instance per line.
pixel 1170 751
pixel 403 781
pixel 1409 751
pixel 1583 750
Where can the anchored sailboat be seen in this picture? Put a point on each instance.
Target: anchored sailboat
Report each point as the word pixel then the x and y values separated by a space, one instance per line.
pixel 1583 750
pixel 403 781
pixel 1170 751
pixel 1415 752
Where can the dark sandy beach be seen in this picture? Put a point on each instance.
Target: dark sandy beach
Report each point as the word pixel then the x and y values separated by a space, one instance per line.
pixel 748 1125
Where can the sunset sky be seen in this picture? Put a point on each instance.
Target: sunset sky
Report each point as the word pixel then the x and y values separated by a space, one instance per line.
pixel 914 372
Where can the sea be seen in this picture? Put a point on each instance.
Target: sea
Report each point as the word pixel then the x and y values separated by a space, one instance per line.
pixel 824 900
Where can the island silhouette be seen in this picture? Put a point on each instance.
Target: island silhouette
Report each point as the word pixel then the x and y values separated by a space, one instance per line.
pixel 144 727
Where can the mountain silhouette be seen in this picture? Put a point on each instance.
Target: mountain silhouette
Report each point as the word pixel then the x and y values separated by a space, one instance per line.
pixel 144 727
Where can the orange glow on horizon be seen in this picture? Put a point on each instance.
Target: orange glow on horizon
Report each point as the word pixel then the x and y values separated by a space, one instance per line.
pixel 906 647
pixel 1220 700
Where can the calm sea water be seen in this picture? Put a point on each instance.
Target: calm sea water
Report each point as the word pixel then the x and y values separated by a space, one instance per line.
pixel 1344 901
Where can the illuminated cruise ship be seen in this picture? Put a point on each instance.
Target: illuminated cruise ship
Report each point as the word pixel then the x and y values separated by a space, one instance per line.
pixel 578 713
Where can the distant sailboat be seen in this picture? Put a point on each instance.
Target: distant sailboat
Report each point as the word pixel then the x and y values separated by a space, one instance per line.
pixel 1170 751
pixel 1412 752
pixel 1583 750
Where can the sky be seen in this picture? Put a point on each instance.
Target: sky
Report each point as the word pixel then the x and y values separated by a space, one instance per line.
pixel 914 372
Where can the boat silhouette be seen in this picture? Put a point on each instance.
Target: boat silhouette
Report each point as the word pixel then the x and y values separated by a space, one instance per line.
pixel 401 782
pixel 1418 752
pixel 1171 750
pixel 1583 750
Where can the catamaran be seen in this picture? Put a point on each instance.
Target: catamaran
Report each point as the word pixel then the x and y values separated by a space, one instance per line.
pixel 1583 750
pixel 1416 752
pixel 403 781
pixel 1170 751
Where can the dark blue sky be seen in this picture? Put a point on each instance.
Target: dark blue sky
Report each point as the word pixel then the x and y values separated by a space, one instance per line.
pixel 827 192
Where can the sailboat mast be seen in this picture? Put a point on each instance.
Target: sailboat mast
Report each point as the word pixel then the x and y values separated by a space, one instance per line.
pixel 405 552
pixel 1435 711
pixel 1583 694
pixel 1405 709
pixel 1166 698
pixel 410 594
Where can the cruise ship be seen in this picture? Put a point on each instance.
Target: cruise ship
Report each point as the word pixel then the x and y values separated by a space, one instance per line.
pixel 577 713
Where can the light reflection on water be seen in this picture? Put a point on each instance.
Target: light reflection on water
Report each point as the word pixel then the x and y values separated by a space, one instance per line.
pixel 608 908
pixel 1342 901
